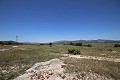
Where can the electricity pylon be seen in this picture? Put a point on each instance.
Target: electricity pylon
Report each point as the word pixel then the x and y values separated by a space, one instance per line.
pixel 16 38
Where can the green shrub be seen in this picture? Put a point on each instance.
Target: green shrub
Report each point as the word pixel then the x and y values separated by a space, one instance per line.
pixel 75 44
pixel 117 45
pixel 89 45
pixel 71 43
pixel 73 51
pixel 78 44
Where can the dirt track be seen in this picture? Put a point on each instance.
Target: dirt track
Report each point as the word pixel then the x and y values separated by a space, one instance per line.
pixel 94 58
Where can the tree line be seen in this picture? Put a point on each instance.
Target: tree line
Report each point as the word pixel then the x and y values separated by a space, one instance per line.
pixel 9 43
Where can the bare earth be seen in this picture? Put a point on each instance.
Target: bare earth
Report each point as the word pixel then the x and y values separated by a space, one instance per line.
pixel 95 58
pixel 55 70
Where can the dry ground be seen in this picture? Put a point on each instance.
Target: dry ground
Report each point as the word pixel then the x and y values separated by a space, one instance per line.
pixel 95 61
pixel 92 57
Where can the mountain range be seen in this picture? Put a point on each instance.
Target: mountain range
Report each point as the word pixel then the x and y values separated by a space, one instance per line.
pixel 87 41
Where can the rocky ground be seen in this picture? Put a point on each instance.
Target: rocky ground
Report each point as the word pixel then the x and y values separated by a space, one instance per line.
pixel 55 70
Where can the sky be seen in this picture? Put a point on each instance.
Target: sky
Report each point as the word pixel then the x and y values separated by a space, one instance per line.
pixel 54 20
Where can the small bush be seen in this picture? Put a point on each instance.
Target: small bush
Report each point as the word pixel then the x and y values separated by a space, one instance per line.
pixel 78 44
pixel 74 51
pixel 71 43
pixel 89 45
pixel 75 44
pixel 117 45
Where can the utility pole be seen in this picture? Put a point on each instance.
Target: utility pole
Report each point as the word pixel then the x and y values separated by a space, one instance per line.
pixel 16 38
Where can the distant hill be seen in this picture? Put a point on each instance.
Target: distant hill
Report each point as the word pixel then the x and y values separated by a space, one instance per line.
pixel 61 42
pixel 87 41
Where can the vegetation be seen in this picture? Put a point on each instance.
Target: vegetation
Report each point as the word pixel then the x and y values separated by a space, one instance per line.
pixel 71 43
pixel 73 51
pixel 15 61
pixel 88 45
pixel 50 44
pixel 9 43
pixel 76 44
pixel 117 45
pixel 106 68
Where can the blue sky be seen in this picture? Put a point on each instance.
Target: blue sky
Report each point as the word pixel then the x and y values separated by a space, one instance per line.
pixel 53 20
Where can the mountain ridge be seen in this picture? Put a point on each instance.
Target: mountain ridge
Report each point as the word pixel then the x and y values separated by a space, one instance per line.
pixel 87 41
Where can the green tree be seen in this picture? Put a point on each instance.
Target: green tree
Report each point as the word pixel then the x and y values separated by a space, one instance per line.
pixel 50 44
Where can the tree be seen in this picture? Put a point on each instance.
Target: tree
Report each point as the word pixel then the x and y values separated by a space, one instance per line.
pixel 2 43
pixel 50 44
pixel 9 43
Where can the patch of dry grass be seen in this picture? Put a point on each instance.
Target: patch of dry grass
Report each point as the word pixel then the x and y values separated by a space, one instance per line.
pixel 15 62
pixel 106 68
